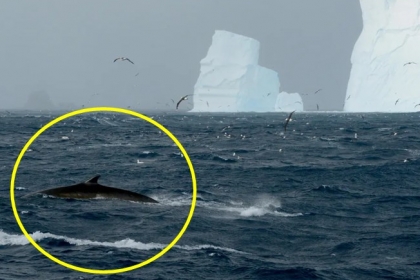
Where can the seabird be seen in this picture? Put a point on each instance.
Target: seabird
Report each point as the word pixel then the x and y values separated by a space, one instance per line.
pixel 207 103
pixel 317 107
pixel 416 105
pixel 268 93
pixel 317 90
pixel 288 120
pixel 182 99
pixel 123 58
pixel 411 62
pixel 348 97
pixel 396 101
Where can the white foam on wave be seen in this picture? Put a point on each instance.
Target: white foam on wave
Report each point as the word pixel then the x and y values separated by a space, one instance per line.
pixel 263 205
pixel 384 128
pixel 258 211
pixel 236 203
pixel 12 239
pixel 207 246
pixel 413 152
pixel 175 201
pixel 104 121
pixel 20 239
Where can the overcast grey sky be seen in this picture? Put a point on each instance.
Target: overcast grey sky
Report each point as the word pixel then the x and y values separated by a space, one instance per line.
pixel 67 48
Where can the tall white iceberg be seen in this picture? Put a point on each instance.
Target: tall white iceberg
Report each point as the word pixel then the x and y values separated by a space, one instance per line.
pixel 385 74
pixel 231 80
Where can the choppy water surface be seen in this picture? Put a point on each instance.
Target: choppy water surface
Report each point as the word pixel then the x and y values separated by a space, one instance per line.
pixel 312 203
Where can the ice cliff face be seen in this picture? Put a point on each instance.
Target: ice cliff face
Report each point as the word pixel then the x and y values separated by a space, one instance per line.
pixel 288 102
pixel 231 80
pixel 385 74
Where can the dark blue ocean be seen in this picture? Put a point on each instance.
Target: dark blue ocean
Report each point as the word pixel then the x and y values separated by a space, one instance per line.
pixel 336 196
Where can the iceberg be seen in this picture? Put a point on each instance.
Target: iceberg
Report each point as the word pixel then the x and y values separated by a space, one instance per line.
pixel 231 80
pixel 386 59
pixel 39 101
pixel 288 102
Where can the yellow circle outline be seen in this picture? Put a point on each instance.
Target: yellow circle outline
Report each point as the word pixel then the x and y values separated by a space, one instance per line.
pixel 107 109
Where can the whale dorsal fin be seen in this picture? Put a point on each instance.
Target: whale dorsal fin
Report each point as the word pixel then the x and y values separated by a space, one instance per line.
pixel 94 180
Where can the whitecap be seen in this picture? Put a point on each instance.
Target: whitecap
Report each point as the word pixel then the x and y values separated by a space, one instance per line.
pixel 15 239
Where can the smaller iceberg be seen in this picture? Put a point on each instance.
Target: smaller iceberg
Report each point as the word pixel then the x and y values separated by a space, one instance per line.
pixel 288 102
pixel 232 81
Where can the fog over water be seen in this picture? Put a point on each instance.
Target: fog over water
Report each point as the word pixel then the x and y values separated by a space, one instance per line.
pixel 66 49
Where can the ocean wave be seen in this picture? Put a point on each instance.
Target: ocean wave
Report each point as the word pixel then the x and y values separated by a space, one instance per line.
pixel 148 154
pixel 105 121
pixel 330 189
pixel 98 146
pixel 20 239
pixel 257 211
pixel 223 159
pixel 264 205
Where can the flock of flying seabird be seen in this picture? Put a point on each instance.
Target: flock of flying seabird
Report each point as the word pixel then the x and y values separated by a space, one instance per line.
pixel 314 92
pixel 177 104
pixel 287 120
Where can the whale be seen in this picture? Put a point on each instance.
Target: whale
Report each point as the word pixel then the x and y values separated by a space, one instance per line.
pixel 92 189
